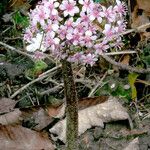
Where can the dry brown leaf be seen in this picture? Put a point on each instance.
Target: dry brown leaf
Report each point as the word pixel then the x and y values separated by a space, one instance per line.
pixel 53 111
pixel 20 138
pixel 144 4
pixel 83 103
pixel 140 16
pixel 91 101
pixel 125 60
pixel 11 117
pixel 21 5
pixel 110 110
pixel 39 115
pixel 6 105
pixel 17 4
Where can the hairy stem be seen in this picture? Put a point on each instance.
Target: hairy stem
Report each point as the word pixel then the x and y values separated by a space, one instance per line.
pixel 71 106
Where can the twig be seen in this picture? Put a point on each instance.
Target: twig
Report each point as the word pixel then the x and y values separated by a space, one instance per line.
pixel 61 85
pixel 46 74
pixel 146 96
pixel 14 49
pixel 97 85
pixel 120 53
pixel 142 81
pixel 30 99
pixel 10 38
pixel 138 29
pixel 129 12
pixel 125 67
pixel 52 90
pixel 23 53
pixel 5 30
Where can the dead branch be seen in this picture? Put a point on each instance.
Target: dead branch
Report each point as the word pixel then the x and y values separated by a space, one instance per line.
pixel 52 90
pixel 138 29
pixel 97 85
pixel 125 67
pixel 120 53
pixel 16 50
pixel 46 74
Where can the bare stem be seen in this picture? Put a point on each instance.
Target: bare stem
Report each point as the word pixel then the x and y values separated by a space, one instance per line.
pixel 71 106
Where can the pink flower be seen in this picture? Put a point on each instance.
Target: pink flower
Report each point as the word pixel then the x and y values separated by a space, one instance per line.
pixel 76 37
pixel 120 8
pixel 62 32
pixel 88 39
pixel 55 18
pixel 89 59
pixel 76 57
pixel 69 7
pixel 121 26
pixel 118 43
pixel 28 35
pixel 84 18
pixel 69 23
pixel 87 5
pixel 41 16
pixel 101 47
pixel 96 13
pixel 51 40
pixel 38 55
pixel 51 4
pixel 108 31
pixel 56 25
pixel 81 26
pixel 109 13
pixel 36 43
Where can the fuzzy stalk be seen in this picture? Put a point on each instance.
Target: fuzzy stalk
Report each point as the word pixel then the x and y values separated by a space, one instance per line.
pixel 71 106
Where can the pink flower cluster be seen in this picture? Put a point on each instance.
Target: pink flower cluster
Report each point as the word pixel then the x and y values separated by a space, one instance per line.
pixel 70 29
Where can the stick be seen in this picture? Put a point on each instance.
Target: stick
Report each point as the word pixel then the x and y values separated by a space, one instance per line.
pixel 23 53
pixel 138 29
pixel 46 74
pixel 14 49
pixel 120 53
pixel 125 67
pixel 97 85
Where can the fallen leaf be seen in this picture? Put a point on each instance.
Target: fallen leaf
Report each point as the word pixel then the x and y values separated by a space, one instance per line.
pixel 39 115
pixel 110 110
pixel 21 5
pixel 125 60
pixel 6 105
pixel 11 117
pixel 144 4
pixel 133 145
pixel 20 138
pixel 59 112
pixel 140 16
pixel 56 112
pixel 91 101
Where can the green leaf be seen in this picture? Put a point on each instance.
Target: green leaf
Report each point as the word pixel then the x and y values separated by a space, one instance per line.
pixel 39 66
pixel 132 78
pixel 20 20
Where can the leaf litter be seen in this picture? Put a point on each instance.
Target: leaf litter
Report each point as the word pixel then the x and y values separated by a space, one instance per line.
pixel 110 110
pixel 16 137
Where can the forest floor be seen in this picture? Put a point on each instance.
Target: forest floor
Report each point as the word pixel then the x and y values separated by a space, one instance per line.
pixel 32 93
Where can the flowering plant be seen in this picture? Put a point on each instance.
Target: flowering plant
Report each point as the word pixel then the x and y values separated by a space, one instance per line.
pixel 71 29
